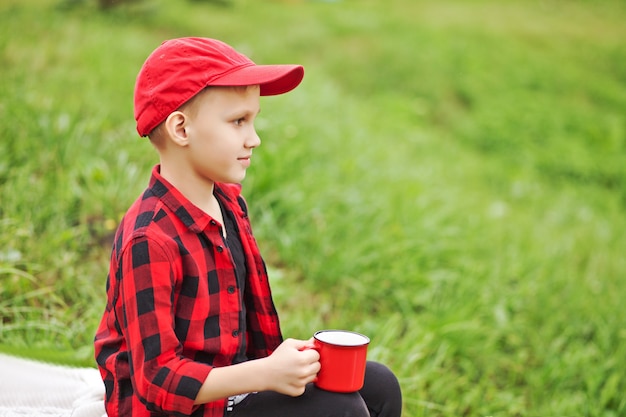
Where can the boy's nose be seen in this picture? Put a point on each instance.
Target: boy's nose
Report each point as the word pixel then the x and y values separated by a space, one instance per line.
pixel 253 140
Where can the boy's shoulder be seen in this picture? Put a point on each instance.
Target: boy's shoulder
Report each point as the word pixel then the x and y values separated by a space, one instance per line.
pixel 148 221
pixel 146 211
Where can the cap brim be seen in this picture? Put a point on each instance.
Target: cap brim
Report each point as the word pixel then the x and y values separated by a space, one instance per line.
pixel 273 79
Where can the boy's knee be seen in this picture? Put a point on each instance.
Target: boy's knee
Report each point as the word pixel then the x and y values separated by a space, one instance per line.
pixel 382 391
pixel 380 373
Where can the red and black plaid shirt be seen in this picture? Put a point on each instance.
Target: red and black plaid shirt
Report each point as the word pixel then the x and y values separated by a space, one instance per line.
pixel 173 305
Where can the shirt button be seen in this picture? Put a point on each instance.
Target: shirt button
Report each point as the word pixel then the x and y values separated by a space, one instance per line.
pixel 235 333
pixel 213 222
pixel 231 290
pixel 220 249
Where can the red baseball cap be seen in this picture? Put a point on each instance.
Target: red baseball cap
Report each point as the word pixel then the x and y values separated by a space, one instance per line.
pixel 180 68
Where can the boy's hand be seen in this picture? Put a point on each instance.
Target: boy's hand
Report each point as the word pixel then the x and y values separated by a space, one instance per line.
pixel 292 365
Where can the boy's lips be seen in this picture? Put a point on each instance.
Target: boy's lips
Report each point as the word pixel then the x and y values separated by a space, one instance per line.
pixel 245 160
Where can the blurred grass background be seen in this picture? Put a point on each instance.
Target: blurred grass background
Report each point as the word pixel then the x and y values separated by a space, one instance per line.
pixel 449 179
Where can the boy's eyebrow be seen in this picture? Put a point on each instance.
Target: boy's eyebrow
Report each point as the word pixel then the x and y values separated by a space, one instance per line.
pixel 255 114
pixel 240 112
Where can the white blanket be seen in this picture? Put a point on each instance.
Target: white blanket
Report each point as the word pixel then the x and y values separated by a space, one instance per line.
pixel 32 389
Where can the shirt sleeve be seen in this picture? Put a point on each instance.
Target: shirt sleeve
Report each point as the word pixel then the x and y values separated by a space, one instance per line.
pixel 162 378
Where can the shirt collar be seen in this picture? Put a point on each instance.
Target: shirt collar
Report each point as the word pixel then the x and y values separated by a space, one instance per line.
pixel 192 217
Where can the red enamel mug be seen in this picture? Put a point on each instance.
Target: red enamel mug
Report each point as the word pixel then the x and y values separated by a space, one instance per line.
pixel 343 355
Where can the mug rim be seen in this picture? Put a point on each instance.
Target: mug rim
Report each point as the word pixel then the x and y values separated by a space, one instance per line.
pixel 364 343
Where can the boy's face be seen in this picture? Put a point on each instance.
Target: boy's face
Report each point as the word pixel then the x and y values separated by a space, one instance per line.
pixel 221 133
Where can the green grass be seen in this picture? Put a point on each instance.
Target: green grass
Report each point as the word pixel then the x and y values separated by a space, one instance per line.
pixel 449 179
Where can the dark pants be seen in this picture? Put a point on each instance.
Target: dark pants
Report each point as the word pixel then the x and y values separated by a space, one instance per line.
pixel 379 397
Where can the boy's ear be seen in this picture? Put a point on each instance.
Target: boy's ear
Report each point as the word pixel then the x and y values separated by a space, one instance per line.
pixel 176 127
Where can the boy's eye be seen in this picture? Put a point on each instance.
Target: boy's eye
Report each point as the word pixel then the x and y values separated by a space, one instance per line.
pixel 240 121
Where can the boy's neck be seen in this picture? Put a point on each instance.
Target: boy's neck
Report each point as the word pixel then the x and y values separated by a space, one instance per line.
pixel 198 192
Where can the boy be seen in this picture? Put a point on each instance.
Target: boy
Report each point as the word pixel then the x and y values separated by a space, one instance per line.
pixel 190 327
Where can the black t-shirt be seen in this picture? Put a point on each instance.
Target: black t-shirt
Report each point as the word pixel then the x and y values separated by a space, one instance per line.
pixel 239 259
